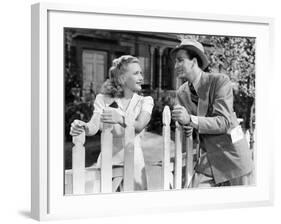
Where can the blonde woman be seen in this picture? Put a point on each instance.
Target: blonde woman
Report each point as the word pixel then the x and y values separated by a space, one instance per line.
pixel 119 95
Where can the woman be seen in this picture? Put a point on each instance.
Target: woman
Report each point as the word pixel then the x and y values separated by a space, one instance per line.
pixel 118 97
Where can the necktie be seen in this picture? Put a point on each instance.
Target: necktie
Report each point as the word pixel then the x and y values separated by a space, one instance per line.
pixel 194 96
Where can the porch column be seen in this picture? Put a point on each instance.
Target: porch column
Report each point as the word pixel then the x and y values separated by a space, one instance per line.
pixel 151 50
pixel 161 50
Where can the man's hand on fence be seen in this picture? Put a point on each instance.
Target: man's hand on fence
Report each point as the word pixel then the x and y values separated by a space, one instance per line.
pixel 181 115
pixel 111 116
pixel 187 129
pixel 77 127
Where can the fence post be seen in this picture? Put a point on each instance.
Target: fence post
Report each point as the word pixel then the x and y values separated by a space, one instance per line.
pixel 178 157
pixel 78 164
pixel 106 158
pixel 166 119
pixel 129 148
pixel 189 161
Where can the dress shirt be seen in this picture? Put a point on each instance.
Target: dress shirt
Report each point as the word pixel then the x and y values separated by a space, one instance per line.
pixel 194 119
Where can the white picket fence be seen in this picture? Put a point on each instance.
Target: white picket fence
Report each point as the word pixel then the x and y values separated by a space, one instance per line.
pixel 106 178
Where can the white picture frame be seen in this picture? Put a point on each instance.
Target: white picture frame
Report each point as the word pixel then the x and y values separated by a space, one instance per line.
pixel 48 201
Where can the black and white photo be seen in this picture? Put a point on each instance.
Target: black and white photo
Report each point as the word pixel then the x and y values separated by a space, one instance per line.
pixel 210 141
pixel 136 111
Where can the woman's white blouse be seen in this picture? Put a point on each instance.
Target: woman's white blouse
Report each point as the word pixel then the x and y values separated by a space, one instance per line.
pixel 137 105
pixel 143 104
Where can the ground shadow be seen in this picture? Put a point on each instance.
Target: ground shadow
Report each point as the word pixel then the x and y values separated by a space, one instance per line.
pixel 26 214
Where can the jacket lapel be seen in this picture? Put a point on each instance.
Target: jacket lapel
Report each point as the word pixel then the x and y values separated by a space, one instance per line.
pixel 185 99
pixel 203 93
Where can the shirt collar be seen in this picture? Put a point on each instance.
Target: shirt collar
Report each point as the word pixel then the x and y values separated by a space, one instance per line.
pixel 118 101
pixel 196 82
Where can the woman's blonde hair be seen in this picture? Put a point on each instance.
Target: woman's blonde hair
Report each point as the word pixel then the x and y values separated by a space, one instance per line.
pixel 113 86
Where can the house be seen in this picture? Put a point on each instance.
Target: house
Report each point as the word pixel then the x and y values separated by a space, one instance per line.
pixel 90 53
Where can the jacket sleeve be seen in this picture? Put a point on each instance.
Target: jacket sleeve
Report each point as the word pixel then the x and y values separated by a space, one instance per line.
pixel 219 120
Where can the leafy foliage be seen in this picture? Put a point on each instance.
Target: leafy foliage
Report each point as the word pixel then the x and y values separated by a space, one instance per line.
pixel 76 106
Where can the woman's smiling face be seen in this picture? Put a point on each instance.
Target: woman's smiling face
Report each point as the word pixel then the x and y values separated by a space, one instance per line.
pixel 133 78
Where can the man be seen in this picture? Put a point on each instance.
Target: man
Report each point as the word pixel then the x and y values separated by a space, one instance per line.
pixel 206 105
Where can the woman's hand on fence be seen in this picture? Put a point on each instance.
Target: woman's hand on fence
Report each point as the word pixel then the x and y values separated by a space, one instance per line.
pixel 187 129
pixel 77 127
pixel 181 115
pixel 111 116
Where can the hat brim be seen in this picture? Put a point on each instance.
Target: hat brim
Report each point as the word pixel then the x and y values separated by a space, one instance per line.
pixel 200 54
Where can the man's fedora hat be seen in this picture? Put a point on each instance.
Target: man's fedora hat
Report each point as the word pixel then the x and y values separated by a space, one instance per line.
pixel 196 47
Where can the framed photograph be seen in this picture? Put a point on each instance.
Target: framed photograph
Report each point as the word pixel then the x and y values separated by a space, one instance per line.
pixel 76 51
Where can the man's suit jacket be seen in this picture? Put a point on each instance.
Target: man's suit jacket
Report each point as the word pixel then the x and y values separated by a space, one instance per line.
pixel 227 159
